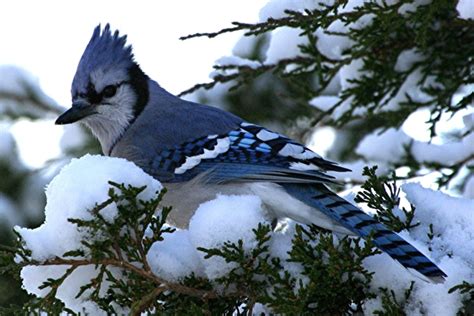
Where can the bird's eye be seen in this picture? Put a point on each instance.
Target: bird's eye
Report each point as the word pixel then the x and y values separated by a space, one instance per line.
pixel 109 91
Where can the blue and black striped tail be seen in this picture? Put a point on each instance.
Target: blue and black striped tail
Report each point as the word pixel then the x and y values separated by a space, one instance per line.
pixel 354 219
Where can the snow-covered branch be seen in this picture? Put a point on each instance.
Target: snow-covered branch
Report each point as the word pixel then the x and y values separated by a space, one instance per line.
pixel 117 254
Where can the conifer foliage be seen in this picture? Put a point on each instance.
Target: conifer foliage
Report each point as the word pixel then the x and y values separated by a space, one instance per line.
pixel 363 69
pixel 333 280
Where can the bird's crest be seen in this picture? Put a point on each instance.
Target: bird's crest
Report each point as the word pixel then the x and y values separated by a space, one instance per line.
pixel 105 50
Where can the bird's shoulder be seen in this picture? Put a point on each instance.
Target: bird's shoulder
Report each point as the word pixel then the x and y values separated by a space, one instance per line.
pixel 168 121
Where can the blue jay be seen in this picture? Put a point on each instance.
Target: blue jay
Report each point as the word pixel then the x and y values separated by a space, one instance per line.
pixel 198 151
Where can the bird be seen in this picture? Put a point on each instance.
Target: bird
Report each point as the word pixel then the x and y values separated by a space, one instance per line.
pixel 197 151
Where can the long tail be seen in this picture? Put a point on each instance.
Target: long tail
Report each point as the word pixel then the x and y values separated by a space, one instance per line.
pixel 354 219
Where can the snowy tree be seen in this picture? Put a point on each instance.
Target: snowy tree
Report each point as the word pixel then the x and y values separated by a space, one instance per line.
pixel 384 87
pixel 22 186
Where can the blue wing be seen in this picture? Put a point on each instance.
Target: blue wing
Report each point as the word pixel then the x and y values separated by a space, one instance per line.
pixel 250 153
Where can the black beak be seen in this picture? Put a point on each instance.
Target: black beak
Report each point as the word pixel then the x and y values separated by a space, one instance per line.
pixel 78 111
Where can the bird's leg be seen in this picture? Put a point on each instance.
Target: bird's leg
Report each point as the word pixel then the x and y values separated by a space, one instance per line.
pixel 274 223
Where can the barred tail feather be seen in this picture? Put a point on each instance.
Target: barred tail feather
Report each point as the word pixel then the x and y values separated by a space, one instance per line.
pixel 354 219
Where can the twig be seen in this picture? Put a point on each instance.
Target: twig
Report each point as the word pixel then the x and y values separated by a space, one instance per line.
pixel 30 97
pixel 178 288
pixel 142 305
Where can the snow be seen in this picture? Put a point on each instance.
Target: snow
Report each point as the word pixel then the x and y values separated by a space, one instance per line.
pixel 324 102
pixel 452 218
pixel 260 309
pixel 173 265
pixel 281 244
pixel 84 182
pixel 34 276
pixel 322 140
pixel 233 61
pixel 465 9
pixel 71 194
pixel 407 59
pixel 18 81
pixel 469 188
pixel 351 72
pixel 364 21
pixel 332 45
pixel 389 147
pixel 276 8
pixel 416 126
pixel 410 7
pixel 284 41
pixel 386 147
pixel 449 153
pixel 66 198
pixel 452 248
pixel 412 87
pixel 23 85
pixel 284 44
pixel 238 61
pixel 468 120
pixel 244 46
pixel 228 218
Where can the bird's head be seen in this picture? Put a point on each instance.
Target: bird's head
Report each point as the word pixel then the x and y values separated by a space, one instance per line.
pixel 109 89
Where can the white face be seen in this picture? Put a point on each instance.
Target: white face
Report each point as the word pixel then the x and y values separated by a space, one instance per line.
pixel 114 111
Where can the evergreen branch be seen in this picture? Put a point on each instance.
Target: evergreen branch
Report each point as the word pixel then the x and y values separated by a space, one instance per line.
pixel 162 284
pixel 8 249
pixel 447 171
pixel 433 32
pixel 22 99
pixel 294 19
pixel 245 73
pixel 463 288
pixel 391 306
pixel 139 307
pixel 31 96
pixel 383 195
pixel 238 26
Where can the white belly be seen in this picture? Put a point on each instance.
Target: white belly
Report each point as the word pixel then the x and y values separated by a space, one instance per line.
pixel 185 198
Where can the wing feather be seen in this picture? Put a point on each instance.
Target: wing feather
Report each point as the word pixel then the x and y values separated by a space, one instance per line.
pixel 251 153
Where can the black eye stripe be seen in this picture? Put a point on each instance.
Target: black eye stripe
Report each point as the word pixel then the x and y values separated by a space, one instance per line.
pixel 94 97
pixel 109 91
